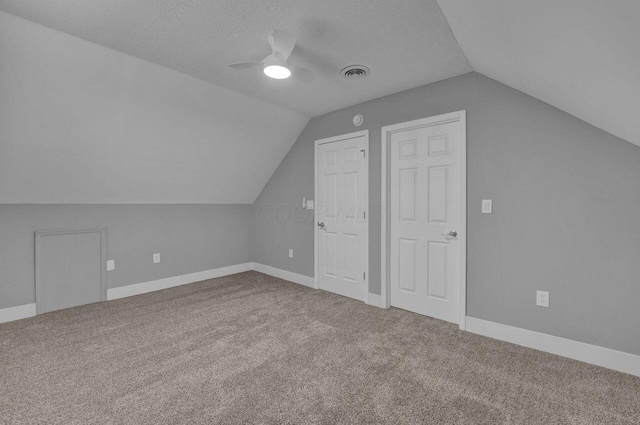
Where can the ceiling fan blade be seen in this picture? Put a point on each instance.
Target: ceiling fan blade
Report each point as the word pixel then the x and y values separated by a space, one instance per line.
pixel 246 65
pixel 282 43
pixel 302 74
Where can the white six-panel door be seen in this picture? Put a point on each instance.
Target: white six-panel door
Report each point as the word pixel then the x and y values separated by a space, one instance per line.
pixel 341 208
pixel 424 196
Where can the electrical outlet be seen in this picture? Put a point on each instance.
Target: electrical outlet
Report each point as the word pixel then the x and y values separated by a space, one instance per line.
pixel 291 253
pixel 309 204
pixel 487 206
pixel 156 258
pixel 111 265
pixel 542 298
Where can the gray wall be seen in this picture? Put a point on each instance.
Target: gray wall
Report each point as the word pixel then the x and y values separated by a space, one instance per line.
pixel 566 207
pixel 190 238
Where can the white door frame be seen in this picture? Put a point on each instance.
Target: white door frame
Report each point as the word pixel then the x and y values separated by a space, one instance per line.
pixel 385 137
pixel 319 142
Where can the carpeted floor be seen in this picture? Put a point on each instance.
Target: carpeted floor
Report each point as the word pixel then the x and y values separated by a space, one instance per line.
pixel 252 349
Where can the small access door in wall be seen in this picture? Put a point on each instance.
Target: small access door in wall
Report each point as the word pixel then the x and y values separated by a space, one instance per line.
pixel 70 268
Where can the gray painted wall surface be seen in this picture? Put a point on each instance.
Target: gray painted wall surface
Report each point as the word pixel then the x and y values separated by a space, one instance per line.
pixel 566 207
pixel 190 238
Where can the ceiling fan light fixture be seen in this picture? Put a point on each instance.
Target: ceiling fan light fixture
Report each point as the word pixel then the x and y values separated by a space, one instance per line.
pixel 277 65
pixel 277 72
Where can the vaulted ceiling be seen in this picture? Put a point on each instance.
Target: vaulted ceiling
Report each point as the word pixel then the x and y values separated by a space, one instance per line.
pixel 406 43
pixel 581 56
pixel 80 123
pixel 578 55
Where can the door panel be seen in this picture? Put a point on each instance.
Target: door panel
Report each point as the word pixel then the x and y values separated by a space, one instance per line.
pixel 424 197
pixel 351 257
pixel 407 265
pixel 408 183
pixel 437 270
pixel 437 193
pixel 341 206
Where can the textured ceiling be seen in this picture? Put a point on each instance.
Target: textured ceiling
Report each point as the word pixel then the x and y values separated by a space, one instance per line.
pixel 581 56
pixel 80 123
pixel 406 43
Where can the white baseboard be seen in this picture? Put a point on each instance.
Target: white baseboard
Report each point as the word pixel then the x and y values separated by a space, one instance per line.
pixel 170 282
pixel 18 312
pixel 286 275
pixel 29 310
pixel 600 356
pixel 375 300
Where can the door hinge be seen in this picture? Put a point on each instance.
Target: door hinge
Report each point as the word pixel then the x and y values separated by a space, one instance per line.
pixel 364 215
pixel 364 152
pixel 364 275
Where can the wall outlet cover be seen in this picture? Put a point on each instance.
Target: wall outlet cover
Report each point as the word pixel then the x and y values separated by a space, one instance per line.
pixel 291 253
pixel 156 258
pixel 542 298
pixel 111 265
pixel 487 206
pixel 309 204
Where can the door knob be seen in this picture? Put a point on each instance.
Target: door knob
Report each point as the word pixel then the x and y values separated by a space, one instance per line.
pixel 321 225
pixel 452 234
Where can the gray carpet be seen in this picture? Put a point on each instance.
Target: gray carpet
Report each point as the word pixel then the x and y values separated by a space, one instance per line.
pixel 252 349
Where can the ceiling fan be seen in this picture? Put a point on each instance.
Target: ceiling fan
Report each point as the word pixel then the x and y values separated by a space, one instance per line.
pixel 277 64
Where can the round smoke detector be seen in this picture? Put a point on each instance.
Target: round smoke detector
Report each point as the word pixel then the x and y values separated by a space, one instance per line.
pixel 355 72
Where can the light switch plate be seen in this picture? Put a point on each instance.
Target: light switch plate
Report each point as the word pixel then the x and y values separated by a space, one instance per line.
pixel 542 298
pixel 156 258
pixel 291 253
pixel 487 206
pixel 111 265
pixel 309 204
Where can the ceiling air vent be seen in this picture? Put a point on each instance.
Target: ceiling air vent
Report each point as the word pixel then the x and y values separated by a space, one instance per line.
pixel 355 72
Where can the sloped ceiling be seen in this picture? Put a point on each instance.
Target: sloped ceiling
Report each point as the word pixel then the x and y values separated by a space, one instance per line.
pixel 156 116
pixel 81 123
pixel 581 56
pixel 406 43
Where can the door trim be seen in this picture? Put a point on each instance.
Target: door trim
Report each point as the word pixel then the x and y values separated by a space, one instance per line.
pixel 103 259
pixel 385 138
pixel 319 142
